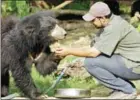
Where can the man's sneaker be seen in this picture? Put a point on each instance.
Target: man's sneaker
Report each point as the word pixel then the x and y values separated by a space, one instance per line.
pixel 122 95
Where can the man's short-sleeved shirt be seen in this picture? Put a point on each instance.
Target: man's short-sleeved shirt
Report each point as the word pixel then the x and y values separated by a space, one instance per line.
pixel 120 37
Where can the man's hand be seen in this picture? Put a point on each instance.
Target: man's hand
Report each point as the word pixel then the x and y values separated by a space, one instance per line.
pixel 80 52
pixel 63 51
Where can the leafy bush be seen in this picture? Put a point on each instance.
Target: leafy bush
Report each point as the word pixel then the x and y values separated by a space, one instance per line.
pixel 79 5
pixel 20 8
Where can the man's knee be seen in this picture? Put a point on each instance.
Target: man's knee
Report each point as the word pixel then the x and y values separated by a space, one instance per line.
pixel 87 62
pixel 93 66
pixel 90 62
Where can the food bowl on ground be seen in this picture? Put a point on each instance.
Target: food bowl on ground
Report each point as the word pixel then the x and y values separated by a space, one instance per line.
pixel 72 93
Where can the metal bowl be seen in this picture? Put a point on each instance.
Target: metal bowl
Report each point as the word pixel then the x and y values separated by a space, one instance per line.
pixel 72 93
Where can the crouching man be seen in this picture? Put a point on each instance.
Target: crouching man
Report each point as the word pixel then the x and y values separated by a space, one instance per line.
pixel 114 59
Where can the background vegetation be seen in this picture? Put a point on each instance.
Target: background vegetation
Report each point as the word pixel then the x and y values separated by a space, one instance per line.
pixel 24 7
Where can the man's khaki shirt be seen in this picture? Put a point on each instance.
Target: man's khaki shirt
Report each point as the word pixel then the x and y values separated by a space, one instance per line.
pixel 120 37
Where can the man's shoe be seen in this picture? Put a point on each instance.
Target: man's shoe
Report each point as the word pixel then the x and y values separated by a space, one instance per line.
pixel 122 95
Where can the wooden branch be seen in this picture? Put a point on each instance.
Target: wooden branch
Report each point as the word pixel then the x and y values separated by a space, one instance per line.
pixel 62 4
pixel 41 4
pixel 75 12
pixel 46 6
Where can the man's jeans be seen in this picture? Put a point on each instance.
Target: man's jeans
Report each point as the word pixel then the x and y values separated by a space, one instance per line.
pixel 112 72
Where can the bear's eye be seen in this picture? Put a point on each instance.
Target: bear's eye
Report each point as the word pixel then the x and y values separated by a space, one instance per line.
pixel 50 27
pixel 29 29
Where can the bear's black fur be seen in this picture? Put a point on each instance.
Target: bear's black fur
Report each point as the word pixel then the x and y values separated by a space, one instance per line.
pixel 19 38
pixel 8 24
pixel 135 7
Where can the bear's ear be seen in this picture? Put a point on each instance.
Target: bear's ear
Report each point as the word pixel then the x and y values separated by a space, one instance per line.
pixel 48 22
pixel 29 25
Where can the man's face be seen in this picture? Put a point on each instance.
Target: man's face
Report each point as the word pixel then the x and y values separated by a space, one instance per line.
pixel 98 22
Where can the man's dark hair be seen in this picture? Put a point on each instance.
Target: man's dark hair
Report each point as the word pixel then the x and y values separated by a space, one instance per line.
pixel 109 15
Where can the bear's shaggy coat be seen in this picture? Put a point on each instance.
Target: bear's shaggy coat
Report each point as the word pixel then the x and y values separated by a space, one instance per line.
pixel 21 37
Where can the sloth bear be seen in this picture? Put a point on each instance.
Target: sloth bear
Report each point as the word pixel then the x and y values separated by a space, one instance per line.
pixel 31 35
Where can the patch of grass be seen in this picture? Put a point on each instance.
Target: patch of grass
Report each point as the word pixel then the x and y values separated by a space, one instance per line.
pixel 13 88
pixel 69 59
pixel 43 83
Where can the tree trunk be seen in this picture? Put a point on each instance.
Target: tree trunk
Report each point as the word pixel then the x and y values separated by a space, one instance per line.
pixel 75 12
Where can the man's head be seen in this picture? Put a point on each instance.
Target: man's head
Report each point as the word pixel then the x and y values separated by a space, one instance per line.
pixel 99 14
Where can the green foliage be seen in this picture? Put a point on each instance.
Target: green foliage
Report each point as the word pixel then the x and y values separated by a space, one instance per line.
pixel 7 7
pixel 79 5
pixel 138 28
pixel 20 8
pixel 13 88
pixel 44 83
pixel 125 8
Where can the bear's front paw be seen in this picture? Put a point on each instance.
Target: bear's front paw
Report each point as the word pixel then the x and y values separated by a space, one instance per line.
pixel 35 93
